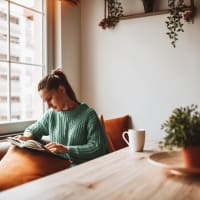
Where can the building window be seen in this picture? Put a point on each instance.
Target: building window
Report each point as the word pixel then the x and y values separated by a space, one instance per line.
pixel 3 99
pixel 15 99
pixel 3 118
pixel 14 58
pixel 3 16
pixel 3 36
pixel 3 56
pixel 15 78
pixel 15 117
pixel 14 20
pixel 14 39
pixel 21 66
pixel 3 77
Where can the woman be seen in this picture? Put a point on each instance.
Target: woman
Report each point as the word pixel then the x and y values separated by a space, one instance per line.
pixel 74 128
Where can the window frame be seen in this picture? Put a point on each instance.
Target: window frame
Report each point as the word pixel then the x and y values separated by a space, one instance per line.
pixel 11 127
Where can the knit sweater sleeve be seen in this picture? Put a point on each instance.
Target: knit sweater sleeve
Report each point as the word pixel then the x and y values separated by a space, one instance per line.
pixel 40 127
pixel 96 141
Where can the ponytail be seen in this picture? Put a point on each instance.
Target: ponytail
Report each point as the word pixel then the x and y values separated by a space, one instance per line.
pixel 54 80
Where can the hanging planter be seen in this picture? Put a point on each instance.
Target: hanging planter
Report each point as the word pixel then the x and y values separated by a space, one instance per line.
pixel 112 12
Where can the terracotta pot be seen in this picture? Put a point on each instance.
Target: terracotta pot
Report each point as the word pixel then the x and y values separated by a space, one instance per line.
pixel 191 156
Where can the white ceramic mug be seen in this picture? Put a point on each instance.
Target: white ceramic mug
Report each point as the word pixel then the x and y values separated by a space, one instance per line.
pixel 136 139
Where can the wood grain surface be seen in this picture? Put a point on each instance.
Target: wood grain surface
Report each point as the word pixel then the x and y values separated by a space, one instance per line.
pixel 119 175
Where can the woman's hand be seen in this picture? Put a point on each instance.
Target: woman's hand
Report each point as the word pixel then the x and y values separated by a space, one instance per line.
pixel 21 137
pixel 26 136
pixel 56 148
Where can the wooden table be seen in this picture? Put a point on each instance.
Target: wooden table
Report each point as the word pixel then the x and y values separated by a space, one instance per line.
pixel 120 175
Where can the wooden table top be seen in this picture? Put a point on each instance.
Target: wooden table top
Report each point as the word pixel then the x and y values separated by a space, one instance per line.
pixel 120 175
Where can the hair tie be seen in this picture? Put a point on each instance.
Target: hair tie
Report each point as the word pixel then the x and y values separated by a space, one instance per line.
pixel 54 76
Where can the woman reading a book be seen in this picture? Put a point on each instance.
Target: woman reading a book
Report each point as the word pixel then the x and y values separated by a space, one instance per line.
pixel 73 127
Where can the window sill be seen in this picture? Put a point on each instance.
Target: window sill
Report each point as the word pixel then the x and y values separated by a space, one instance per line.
pixel 14 127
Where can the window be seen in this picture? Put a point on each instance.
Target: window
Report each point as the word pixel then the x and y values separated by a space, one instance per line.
pixel 21 61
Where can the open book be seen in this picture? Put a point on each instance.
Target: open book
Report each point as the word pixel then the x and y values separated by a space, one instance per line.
pixel 29 144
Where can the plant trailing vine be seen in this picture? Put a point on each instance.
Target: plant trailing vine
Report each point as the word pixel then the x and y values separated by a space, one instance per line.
pixel 174 20
pixel 112 12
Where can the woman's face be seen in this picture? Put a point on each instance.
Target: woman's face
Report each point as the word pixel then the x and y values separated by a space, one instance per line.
pixel 54 98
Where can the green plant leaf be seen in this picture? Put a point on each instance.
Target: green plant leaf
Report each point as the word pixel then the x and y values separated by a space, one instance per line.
pixel 182 128
pixel 174 20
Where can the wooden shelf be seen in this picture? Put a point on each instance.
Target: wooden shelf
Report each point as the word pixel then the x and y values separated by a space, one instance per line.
pixel 110 21
pixel 160 12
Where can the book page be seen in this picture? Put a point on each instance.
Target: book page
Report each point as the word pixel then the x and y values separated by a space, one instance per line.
pixel 15 141
pixel 32 144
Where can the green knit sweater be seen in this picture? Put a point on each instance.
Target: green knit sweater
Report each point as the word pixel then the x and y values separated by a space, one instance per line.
pixel 78 128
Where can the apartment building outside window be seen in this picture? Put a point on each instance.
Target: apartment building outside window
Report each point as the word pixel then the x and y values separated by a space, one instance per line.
pixel 21 59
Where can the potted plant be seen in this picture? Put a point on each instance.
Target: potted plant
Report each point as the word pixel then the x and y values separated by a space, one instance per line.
pixel 183 131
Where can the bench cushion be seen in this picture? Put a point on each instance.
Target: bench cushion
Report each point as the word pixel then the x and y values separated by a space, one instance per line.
pixel 4 146
pixel 19 166
pixel 114 129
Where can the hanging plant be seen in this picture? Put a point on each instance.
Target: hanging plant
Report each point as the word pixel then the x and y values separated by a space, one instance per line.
pixel 112 12
pixel 175 19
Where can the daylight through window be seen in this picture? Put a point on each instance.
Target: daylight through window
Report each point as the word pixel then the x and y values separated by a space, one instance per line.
pixel 21 59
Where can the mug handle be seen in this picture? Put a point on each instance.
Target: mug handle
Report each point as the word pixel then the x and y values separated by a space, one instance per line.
pixel 123 136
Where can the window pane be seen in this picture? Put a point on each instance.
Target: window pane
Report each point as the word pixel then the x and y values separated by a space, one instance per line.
pixel 25 35
pixel 25 101
pixel 3 30
pixel 34 4
pixel 21 62
pixel 3 91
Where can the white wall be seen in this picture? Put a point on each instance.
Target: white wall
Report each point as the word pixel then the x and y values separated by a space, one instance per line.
pixel 134 70
pixel 67 42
